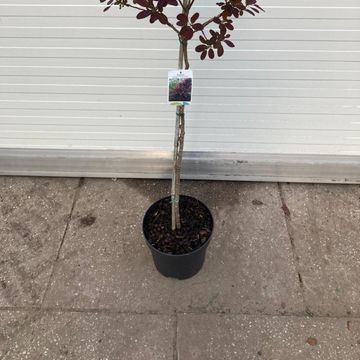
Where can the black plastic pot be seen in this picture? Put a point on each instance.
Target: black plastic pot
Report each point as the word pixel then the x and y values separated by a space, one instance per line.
pixel 181 266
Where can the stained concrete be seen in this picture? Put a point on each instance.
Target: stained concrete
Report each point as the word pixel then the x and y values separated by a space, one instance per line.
pixel 213 337
pixel 324 223
pixel 104 262
pixel 250 266
pixel 280 279
pixel 84 336
pixel 33 216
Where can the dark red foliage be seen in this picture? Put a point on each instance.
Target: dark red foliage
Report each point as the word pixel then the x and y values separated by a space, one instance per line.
pixel 163 3
pixel 211 44
pixel 182 19
pixel 143 14
pixel 186 32
pixel 194 18
pixel 143 3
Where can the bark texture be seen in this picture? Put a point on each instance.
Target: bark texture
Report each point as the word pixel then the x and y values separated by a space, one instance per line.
pixel 178 142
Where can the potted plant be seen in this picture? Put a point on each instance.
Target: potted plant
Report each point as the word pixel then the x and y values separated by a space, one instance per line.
pixel 178 228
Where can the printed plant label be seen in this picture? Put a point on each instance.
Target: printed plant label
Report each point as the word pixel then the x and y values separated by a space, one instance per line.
pixel 180 87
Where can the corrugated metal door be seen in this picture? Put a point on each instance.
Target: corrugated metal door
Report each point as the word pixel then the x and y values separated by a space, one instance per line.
pixel 72 77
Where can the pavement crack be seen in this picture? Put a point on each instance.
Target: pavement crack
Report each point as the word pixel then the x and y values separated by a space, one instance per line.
pixel 89 311
pixel 175 343
pixel 75 198
pixel 287 216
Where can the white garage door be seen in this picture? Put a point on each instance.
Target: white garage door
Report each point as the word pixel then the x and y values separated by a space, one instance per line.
pixel 83 93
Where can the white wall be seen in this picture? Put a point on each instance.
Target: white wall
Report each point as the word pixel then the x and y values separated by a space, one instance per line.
pixel 74 78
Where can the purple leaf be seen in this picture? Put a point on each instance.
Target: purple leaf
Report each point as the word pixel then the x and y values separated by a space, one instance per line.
pixel 143 14
pixel 153 17
pixel 198 27
pixel 183 19
pixel 220 50
pixel 203 55
pixel 229 43
pixel 186 32
pixel 229 26
pixel 163 18
pixel 200 48
pixel 143 3
pixel 194 17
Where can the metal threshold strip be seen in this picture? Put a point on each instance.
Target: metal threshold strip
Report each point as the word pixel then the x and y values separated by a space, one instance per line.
pixel 197 165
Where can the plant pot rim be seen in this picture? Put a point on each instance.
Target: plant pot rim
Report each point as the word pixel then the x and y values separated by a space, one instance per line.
pixel 205 244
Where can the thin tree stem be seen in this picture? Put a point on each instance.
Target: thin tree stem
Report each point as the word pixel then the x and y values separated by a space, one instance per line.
pixel 178 141
pixel 175 212
pixel 182 5
pixel 186 58
pixel 179 160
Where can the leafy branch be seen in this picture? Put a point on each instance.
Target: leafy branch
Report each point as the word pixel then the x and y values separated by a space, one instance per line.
pixel 211 40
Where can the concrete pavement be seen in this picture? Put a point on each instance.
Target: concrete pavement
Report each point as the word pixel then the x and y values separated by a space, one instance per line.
pixel 77 282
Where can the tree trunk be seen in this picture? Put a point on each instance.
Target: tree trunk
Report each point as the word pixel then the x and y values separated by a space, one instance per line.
pixel 178 148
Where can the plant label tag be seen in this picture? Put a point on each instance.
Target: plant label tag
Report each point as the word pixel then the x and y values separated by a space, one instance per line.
pixel 180 87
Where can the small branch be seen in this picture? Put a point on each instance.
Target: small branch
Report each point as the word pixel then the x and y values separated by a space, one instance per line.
pixel 203 32
pixel 206 23
pixel 172 27
pixel 134 7
pixel 183 6
pixel 142 9
pixel 186 5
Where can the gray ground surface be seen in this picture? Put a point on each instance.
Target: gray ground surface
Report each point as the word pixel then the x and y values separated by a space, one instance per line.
pixel 281 279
